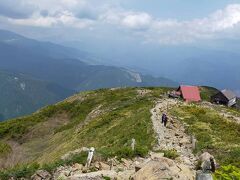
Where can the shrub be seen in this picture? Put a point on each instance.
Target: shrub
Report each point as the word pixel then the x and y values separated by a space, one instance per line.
pixel 26 170
pixel 171 154
pixel 76 158
pixel 4 149
pixel 227 173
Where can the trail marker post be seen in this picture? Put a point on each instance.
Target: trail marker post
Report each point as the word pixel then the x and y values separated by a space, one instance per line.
pixel 90 156
pixel 133 144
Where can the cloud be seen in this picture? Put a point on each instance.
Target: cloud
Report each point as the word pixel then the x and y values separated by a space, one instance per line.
pixel 90 13
pixel 60 19
pixel 137 21
pixel 217 25
pixel 16 8
pixel 127 19
pixel 48 13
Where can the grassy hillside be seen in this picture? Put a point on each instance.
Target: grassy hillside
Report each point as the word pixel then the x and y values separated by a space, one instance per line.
pixel 108 119
pixel 207 92
pixel 105 119
pixel 215 133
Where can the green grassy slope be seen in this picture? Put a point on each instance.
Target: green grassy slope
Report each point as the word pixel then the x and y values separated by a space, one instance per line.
pixel 114 116
pixel 215 133
pixel 207 92
pixel 107 120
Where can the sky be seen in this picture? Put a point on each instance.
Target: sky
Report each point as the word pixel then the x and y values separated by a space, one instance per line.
pixel 163 22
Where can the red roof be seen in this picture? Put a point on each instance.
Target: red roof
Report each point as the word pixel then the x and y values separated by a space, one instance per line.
pixel 190 93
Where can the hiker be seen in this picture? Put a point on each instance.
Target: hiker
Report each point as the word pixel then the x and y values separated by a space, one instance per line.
pixel 164 119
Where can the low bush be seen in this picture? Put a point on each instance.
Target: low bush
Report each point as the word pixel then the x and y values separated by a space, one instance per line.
pixel 4 149
pixel 19 171
pixel 227 173
pixel 171 154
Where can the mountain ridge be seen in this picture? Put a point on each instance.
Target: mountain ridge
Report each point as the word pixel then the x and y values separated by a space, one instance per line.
pixel 108 119
pixel 62 66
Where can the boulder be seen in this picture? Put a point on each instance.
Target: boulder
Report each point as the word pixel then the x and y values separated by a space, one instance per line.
pixel 206 165
pixel 94 175
pixel 41 175
pixel 104 166
pixel 164 168
pixel 156 155
pixel 205 156
pixel 77 167
pixel 203 176
pixel 126 163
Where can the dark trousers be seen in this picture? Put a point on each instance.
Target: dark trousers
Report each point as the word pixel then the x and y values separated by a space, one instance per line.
pixel 165 123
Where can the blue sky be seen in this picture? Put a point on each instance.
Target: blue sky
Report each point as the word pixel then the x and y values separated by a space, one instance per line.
pixel 179 9
pixel 149 21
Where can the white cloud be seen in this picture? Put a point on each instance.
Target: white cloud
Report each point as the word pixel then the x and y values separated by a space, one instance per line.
pixel 84 13
pixel 137 21
pixel 64 18
pixel 216 25
pixel 49 13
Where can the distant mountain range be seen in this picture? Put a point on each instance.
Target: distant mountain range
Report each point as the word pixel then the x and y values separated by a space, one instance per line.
pixel 215 63
pixel 43 66
pixel 22 95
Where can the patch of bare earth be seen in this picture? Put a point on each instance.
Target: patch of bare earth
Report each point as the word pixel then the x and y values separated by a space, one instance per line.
pixel 33 142
pixel 143 92
pixel 15 157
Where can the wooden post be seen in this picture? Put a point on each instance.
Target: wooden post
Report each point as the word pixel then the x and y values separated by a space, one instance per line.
pixel 193 139
pixel 133 144
pixel 90 156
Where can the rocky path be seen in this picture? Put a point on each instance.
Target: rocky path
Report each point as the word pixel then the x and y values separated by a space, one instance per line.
pixel 154 166
pixel 172 137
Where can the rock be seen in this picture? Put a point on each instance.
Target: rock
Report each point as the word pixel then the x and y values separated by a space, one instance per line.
pixel 203 176
pixel 104 166
pixel 156 155
pixel 152 170
pixel 84 169
pixel 77 166
pixel 41 175
pixel 137 168
pixel 126 163
pixel 61 176
pixel 184 141
pixel 67 173
pixel 205 156
pixel 94 175
pixel 187 161
pixel 176 134
pixel 97 165
pixel 164 168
